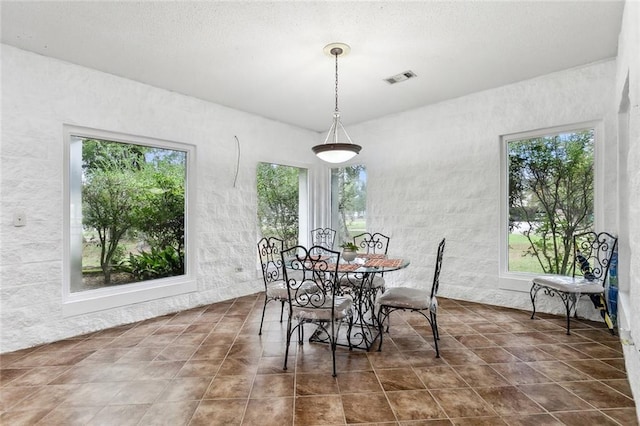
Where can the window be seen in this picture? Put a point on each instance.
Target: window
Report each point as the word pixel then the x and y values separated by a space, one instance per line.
pixel 349 201
pixel 550 191
pixel 282 206
pixel 127 216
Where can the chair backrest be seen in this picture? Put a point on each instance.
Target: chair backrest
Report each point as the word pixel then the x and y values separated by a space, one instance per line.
pixel 269 250
pixel 324 237
pixel 311 275
pixel 436 272
pixel 592 255
pixel 372 243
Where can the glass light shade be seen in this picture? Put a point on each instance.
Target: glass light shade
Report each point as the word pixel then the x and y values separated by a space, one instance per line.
pixel 336 152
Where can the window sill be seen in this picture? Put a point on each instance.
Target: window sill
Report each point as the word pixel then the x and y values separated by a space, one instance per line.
pixel 516 282
pixel 130 294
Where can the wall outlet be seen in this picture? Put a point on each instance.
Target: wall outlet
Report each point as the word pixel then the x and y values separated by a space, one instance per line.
pixel 19 219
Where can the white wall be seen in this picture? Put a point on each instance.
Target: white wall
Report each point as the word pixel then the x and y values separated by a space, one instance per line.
pixel 39 95
pixel 628 70
pixel 435 172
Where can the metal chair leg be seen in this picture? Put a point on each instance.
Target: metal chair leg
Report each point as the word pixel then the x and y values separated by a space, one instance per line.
pixel 264 308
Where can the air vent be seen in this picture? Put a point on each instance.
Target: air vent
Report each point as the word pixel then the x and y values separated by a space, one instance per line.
pixel 400 77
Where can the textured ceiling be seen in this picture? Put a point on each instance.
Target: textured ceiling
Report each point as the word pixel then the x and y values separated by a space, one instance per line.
pixel 267 57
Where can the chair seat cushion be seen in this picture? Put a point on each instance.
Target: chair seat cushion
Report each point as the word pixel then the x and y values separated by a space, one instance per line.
pixel 343 309
pixel 277 290
pixel 569 284
pixel 404 297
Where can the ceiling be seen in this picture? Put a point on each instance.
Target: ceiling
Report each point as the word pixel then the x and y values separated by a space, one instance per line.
pixel 267 57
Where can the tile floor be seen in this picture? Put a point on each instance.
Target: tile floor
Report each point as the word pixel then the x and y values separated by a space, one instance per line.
pixel 208 366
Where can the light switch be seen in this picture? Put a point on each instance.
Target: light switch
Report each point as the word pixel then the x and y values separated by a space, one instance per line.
pixel 19 219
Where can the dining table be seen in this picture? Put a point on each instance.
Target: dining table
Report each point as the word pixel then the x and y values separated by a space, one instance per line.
pixel 357 278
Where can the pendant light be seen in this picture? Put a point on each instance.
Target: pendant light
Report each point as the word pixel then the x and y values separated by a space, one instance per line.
pixel 332 150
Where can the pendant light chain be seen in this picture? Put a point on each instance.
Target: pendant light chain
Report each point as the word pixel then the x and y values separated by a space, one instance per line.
pixel 336 54
pixel 332 150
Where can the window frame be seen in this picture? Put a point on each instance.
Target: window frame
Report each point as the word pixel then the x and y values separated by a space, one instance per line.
pixel 520 281
pixel 88 301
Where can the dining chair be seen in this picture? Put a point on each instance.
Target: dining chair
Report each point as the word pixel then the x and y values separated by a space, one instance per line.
pixel 275 288
pixel 590 268
pixel 324 237
pixel 311 279
pixel 370 244
pixel 414 300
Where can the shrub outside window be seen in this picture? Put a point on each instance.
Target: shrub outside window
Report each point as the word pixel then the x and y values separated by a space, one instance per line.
pixel 127 221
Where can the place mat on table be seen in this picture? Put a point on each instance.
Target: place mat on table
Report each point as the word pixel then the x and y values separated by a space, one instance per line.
pixel 385 263
pixel 371 255
pixel 345 267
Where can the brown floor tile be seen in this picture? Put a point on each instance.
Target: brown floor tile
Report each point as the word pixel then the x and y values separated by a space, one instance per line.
pixel 509 401
pixel 208 366
pixel 624 416
pixel 399 379
pixel 185 389
pixel 159 370
pixel 229 387
pixel 553 397
pixel 269 412
pixel 529 353
pixel 366 408
pixel 597 369
pixel 121 415
pixel 356 382
pixel 272 386
pixel 140 392
pixel 200 368
pixel 24 417
pixel 316 384
pixel 442 377
pixel 219 412
pixel 170 413
pixel 70 415
pixel 475 341
pixel 313 410
pixel 462 403
pixel 479 421
pixel 596 350
pixel 558 371
pixel 598 394
pixel 494 355
pixel 532 420
pixel 460 357
pixel 415 405
pixel 621 385
pixel 38 376
pixel 519 373
pixel 585 418
pixel 481 375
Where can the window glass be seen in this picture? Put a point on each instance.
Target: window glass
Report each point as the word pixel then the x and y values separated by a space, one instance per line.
pixel 348 202
pixel 281 202
pixel 127 212
pixel 550 198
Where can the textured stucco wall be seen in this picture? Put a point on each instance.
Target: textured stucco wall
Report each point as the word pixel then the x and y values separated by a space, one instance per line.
pixel 629 67
pixel 434 172
pixel 39 95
